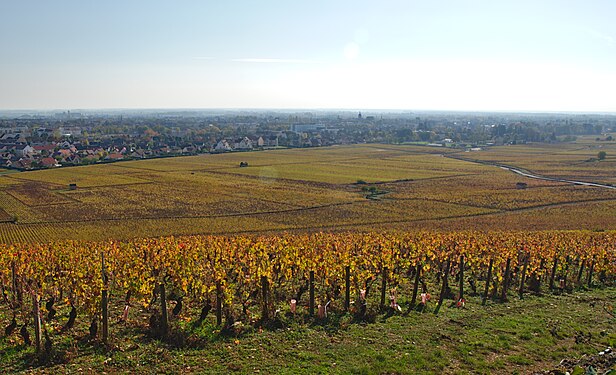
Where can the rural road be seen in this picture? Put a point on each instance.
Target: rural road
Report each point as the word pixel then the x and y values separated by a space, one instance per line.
pixel 530 174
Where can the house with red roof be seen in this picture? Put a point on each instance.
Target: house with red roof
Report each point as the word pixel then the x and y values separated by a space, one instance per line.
pixel 48 162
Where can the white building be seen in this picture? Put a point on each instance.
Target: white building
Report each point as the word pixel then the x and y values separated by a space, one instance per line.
pixel 25 151
pixel 244 144
pixel 222 145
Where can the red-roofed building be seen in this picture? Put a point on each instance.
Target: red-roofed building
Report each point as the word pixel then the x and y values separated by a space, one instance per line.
pixel 47 147
pixel 48 162
pixel 115 156
pixel 64 153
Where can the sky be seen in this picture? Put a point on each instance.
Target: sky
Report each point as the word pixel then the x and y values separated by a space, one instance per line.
pixel 468 55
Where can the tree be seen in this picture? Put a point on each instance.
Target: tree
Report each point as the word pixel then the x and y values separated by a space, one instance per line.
pixel 601 155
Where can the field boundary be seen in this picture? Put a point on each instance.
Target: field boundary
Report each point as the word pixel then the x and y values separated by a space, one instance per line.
pixel 196 216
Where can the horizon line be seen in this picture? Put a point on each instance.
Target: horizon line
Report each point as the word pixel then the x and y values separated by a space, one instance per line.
pixel 304 109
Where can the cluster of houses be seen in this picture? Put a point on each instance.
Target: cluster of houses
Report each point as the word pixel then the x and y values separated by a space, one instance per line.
pixel 245 143
pixel 48 155
pixel 275 140
pixel 26 147
pixel 28 156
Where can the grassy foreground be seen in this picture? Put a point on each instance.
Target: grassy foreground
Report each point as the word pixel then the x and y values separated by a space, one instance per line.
pixel 532 335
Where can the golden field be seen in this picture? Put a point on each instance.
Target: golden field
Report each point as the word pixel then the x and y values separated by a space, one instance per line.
pixel 312 190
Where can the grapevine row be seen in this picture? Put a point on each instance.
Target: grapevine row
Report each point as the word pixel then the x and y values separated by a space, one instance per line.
pixel 250 278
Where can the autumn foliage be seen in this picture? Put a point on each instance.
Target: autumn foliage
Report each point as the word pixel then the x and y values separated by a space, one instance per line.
pixel 195 265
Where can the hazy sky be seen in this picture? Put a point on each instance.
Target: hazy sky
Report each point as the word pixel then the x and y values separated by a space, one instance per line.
pixel 537 55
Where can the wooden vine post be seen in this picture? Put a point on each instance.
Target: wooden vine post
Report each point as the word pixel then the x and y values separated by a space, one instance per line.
pixel 383 287
pixel 347 288
pixel 443 288
pixel 506 280
pixel 523 277
pixel 218 303
pixel 590 270
pixel 311 296
pixel 553 274
pixel 488 279
pixel 567 263
pixel 264 293
pixel 17 286
pixel 13 282
pixel 105 315
pixel 38 333
pixel 104 301
pixel 461 287
pixel 578 282
pixel 164 319
pixel 416 285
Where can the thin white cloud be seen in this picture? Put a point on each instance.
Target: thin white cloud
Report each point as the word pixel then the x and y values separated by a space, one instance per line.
pixel 274 61
pixel 452 84
pixel 602 36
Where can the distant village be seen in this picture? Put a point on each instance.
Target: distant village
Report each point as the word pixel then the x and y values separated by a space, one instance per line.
pixel 73 139
pixel 30 141
pixel 18 153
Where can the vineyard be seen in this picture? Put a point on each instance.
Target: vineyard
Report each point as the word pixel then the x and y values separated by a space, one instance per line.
pixel 263 280
pixel 196 251
pixel 308 190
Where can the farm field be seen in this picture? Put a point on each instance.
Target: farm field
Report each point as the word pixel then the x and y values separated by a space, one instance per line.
pixel 335 188
pixel 576 160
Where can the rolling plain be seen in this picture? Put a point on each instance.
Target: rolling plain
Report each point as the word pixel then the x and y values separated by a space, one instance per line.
pixel 358 187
